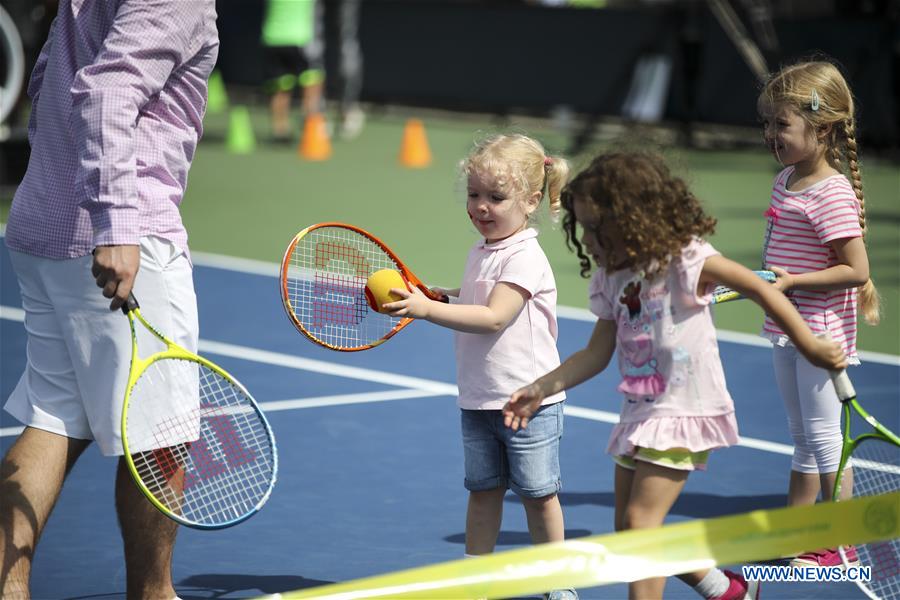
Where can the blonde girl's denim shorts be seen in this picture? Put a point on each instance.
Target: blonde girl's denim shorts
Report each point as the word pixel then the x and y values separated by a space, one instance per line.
pixel 525 461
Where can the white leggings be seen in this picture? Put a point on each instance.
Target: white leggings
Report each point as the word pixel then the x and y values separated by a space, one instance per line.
pixel 813 410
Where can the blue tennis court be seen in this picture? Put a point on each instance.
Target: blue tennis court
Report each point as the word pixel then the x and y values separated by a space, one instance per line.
pixel 371 458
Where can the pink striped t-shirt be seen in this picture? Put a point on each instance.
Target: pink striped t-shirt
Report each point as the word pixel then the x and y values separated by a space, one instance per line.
pixel 801 225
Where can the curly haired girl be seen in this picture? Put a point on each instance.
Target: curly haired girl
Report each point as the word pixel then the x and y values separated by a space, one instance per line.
pixel 643 228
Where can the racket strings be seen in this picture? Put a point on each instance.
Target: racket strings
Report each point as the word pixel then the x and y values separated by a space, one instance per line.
pixel 876 470
pixel 198 443
pixel 325 284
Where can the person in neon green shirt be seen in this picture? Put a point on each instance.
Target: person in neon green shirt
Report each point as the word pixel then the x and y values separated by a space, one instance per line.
pixel 293 46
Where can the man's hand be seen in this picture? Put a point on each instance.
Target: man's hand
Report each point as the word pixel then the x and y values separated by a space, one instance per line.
pixel 114 269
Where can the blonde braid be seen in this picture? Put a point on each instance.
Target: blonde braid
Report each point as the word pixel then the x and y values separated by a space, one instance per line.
pixel 836 157
pixel 853 164
pixel 869 300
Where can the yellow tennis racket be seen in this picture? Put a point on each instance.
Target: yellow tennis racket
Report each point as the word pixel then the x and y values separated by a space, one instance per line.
pixel 323 286
pixel 196 443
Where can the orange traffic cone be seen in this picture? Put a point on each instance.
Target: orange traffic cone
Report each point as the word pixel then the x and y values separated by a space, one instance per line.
pixel 414 151
pixel 314 145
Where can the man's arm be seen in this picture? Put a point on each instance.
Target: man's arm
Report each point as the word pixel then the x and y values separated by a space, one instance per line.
pixel 146 42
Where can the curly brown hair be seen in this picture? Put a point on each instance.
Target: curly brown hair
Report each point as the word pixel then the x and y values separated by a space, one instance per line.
pixel 654 211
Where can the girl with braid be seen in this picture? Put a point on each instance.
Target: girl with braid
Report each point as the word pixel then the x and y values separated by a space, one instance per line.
pixel 815 244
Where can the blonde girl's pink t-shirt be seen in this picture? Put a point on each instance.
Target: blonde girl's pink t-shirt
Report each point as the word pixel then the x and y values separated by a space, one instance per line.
pixel 800 226
pixel 490 367
pixel 665 341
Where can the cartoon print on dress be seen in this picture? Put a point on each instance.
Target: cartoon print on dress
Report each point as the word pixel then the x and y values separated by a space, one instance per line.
pixel 631 298
pixel 642 379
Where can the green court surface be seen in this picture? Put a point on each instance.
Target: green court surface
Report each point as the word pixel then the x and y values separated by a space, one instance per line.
pixel 251 205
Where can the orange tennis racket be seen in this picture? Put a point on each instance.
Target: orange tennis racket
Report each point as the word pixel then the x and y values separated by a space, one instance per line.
pixel 323 286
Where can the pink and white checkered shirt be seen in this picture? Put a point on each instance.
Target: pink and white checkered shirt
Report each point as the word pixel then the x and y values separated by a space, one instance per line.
pixel 118 95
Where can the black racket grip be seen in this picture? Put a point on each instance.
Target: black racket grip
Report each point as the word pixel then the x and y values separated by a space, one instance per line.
pixel 130 304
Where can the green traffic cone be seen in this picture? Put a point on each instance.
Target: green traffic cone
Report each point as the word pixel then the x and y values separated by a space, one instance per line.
pixel 217 97
pixel 240 138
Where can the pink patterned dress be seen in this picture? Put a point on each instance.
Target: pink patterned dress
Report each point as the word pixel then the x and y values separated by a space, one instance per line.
pixel 673 385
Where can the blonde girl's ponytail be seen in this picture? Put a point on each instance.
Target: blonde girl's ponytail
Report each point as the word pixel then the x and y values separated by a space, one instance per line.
pixel 557 174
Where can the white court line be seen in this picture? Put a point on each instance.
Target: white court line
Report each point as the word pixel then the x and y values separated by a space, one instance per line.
pixel 337 400
pixel 268 269
pixel 735 337
pixel 342 399
pixel 416 387
pixel 12 314
pixel 420 387
pixel 329 368
pixel 296 362
pixel 259 267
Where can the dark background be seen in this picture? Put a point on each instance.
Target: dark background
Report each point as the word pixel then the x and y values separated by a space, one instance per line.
pixel 503 56
pixel 520 57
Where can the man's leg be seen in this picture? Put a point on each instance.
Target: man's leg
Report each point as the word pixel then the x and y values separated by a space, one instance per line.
pixel 149 539
pixel 31 477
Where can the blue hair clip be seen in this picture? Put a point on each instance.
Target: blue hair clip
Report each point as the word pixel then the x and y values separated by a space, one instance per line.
pixel 814 103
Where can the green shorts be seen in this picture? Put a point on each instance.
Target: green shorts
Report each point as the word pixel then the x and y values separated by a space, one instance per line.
pixel 681 459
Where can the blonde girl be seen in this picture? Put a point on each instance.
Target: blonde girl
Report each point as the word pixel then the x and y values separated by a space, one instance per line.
pixel 505 317
pixel 815 243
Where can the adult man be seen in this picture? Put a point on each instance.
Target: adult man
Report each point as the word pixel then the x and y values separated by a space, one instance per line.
pixel 118 94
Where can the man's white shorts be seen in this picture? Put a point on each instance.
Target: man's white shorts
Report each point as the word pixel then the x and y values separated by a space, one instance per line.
pixel 79 351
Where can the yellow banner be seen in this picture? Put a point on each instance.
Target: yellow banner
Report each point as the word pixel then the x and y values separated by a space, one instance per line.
pixel 636 554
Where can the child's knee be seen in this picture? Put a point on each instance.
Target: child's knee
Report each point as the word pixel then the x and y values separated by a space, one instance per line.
pixel 541 502
pixel 492 496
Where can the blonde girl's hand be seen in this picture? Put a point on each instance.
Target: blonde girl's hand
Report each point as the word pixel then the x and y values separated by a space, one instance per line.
pixel 784 281
pixel 414 303
pixel 521 406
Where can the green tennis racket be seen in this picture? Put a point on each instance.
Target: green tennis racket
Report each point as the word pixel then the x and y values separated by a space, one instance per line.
pixel 876 470
pixel 196 443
